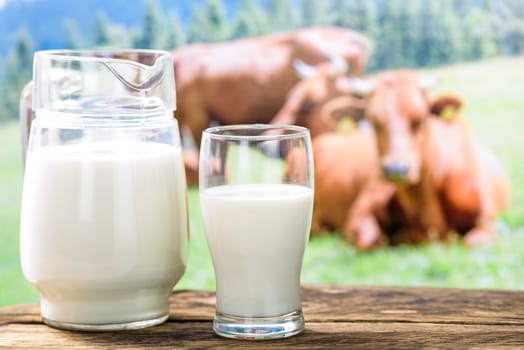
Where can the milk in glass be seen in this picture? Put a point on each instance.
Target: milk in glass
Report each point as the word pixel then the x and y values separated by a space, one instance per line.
pixel 257 235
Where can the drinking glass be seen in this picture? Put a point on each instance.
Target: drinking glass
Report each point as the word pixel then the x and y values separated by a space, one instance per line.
pixel 104 232
pixel 256 196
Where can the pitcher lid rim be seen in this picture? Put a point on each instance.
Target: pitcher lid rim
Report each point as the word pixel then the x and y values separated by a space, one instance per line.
pixel 88 55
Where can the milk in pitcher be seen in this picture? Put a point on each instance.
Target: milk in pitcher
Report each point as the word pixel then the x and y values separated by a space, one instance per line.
pixel 104 230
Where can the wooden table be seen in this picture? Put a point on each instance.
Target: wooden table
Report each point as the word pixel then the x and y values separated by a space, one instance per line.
pixel 336 316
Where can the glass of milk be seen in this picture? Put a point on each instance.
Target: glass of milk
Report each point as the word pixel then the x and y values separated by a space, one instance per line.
pixel 256 195
pixel 104 231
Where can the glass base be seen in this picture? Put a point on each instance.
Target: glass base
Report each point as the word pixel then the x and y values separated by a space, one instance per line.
pixel 106 327
pixel 258 328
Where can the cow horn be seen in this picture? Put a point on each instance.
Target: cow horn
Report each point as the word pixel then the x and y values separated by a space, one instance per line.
pixel 361 86
pixel 340 66
pixel 428 82
pixel 304 70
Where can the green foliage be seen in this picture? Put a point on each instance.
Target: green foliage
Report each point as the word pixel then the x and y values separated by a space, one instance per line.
pixel 101 30
pixel 150 34
pixel 314 13
pixel 208 24
pixel 72 37
pixel 196 31
pixel 119 37
pixel 282 15
pixel 2 71
pixel 389 49
pixel 408 36
pixel 427 45
pixel 510 25
pixel 448 35
pixel 415 33
pixel 360 15
pixel 109 35
pixel 18 71
pixel 175 33
pixel 250 21
pixel 480 41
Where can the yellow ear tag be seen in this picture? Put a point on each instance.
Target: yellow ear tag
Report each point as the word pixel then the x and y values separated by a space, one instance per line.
pixel 337 72
pixel 448 113
pixel 346 124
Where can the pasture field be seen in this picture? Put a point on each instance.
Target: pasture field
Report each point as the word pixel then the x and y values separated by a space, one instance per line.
pixel 493 92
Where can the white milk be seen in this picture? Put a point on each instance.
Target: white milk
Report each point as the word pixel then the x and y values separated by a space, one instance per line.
pixel 104 230
pixel 257 236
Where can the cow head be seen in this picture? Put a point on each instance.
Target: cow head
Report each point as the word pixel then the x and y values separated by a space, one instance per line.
pixel 398 108
pixel 322 99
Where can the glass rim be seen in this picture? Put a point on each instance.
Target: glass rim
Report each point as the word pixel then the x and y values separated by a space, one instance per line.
pixel 216 132
pixel 89 55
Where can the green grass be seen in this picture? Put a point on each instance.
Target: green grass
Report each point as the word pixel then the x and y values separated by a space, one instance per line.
pixel 494 95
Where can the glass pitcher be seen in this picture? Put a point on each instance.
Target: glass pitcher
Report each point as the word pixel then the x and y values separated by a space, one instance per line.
pixel 104 226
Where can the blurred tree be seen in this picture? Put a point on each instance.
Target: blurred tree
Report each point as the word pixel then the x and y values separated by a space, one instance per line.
pixel 72 37
pixel 175 34
pixel 315 12
pixel 17 73
pixel 216 15
pixel 2 70
pixel 429 39
pixel 489 6
pixel 197 29
pixel 389 43
pixel 208 24
pixel 282 15
pixel 359 15
pixel 119 37
pixel 250 21
pixel 149 37
pixel 446 38
pixel 101 30
pixel 510 25
pixel 407 25
pixel 462 7
pixel 478 38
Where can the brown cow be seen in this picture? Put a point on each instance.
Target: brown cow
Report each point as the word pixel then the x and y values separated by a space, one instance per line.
pixel 246 80
pixel 444 181
pixel 344 149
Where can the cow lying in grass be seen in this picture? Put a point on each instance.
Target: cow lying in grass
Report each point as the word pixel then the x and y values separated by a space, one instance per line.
pixel 427 176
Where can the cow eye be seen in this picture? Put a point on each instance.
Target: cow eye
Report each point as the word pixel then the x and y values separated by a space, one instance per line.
pixel 415 125
pixel 306 108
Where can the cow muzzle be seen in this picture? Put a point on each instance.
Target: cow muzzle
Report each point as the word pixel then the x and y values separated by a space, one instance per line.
pixel 396 172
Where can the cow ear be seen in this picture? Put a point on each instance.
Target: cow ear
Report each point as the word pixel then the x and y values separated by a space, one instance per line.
pixel 446 107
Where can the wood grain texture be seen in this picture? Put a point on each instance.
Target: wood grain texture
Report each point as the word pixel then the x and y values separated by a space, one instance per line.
pixel 341 316
pixel 318 335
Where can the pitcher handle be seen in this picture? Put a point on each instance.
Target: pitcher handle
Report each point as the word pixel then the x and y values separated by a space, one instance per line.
pixel 26 117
